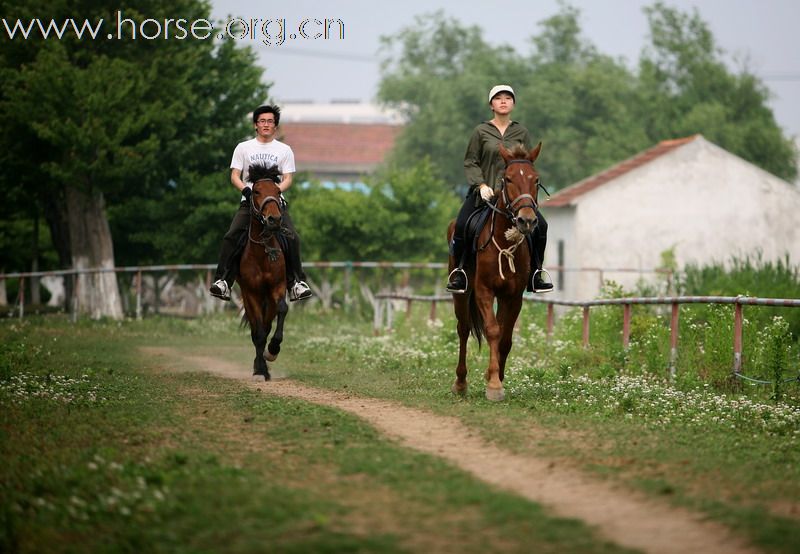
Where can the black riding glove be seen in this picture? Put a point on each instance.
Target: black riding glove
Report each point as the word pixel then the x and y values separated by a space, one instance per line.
pixel 246 192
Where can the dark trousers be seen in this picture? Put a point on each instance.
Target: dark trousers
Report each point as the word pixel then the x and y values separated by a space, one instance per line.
pixel 461 249
pixel 230 251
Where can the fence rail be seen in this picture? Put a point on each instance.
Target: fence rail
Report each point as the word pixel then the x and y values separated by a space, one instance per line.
pixel 626 303
pixel 346 266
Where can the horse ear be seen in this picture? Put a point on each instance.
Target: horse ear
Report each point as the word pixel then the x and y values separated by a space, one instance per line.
pixel 533 154
pixel 505 154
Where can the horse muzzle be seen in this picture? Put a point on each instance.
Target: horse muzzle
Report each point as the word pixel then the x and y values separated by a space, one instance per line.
pixel 525 223
pixel 273 223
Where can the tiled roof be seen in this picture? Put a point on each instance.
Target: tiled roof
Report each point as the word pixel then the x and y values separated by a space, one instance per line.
pixel 567 196
pixel 332 146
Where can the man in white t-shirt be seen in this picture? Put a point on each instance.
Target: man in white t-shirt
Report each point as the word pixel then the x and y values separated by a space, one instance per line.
pixel 264 148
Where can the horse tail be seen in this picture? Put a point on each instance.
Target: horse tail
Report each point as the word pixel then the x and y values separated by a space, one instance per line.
pixel 475 318
pixel 244 323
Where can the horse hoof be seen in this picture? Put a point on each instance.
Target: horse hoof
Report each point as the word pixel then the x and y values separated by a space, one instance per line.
pixel 270 357
pixel 495 395
pixel 460 390
pixel 260 377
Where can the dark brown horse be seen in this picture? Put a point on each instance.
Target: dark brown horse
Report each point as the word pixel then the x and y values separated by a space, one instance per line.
pixel 501 271
pixel 262 269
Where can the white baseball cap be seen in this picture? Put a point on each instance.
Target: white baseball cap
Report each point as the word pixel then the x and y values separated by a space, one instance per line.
pixel 497 89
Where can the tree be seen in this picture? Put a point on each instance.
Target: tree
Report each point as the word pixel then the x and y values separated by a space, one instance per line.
pixel 183 220
pixel 91 122
pixel 401 216
pixel 688 89
pixel 574 99
pixel 579 102
pixel 589 109
pixel 437 72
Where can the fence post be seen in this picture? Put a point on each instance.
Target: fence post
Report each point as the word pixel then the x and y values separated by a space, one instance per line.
pixel 21 297
pixel 737 338
pixel 673 342
pixel 626 326
pixel 76 282
pixel 432 316
pixel 348 272
pixel 377 317
pixel 549 320
pixel 139 294
pixel 586 326
pixel 389 314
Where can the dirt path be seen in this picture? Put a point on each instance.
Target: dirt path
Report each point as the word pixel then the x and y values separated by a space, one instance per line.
pixel 621 516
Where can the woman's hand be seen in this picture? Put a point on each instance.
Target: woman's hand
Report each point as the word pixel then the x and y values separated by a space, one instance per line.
pixel 486 192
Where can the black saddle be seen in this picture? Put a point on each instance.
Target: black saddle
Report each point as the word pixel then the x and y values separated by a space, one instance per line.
pixel 472 231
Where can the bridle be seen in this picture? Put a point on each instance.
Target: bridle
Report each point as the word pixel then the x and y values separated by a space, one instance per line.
pixel 509 209
pixel 256 211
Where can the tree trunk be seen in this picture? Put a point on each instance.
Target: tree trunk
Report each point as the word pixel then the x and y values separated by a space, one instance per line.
pixel 36 297
pixel 3 294
pixel 91 247
pixel 55 213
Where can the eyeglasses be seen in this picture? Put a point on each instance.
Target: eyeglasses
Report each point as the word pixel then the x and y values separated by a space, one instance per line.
pixel 266 122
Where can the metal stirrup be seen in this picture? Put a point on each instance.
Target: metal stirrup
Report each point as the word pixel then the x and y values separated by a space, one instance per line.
pixel 466 279
pixel 549 279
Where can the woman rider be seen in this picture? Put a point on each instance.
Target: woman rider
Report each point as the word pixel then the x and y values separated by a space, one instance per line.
pixel 484 169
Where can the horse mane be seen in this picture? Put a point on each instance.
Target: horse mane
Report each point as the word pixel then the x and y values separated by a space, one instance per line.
pixel 259 171
pixel 519 152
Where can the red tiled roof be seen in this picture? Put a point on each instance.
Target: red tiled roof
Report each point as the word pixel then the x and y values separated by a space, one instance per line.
pixel 339 145
pixel 565 197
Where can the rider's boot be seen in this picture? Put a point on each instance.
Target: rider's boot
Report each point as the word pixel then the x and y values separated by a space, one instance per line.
pixel 221 289
pixel 457 280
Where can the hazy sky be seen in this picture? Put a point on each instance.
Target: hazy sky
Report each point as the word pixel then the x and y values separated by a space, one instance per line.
pixel 763 34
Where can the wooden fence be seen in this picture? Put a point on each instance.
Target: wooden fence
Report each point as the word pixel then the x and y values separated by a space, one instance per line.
pixel 384 314
pixel 347 267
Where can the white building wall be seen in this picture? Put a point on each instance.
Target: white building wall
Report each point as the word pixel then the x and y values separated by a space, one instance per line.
pixel 699 199
pixel 561 227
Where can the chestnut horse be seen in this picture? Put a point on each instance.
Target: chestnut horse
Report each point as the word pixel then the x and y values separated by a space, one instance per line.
pixel 262 269
pixel 501 270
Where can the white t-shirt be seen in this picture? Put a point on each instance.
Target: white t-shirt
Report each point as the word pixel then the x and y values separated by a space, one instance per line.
pixel 252 151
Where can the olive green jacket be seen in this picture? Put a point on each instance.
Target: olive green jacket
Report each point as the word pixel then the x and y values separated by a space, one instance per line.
pixel 482 161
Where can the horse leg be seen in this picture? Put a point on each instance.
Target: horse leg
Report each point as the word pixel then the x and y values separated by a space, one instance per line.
pixel 507 313
pixel 258 334
pixel 462 315
pixel 274 347
pixel 485 300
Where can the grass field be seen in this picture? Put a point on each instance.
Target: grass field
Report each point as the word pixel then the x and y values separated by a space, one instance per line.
pixel 104 449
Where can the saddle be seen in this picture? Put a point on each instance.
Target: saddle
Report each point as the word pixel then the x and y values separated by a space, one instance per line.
pixel 233 271
pixel 472 231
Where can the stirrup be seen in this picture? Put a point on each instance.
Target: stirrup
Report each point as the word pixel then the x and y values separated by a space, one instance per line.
pixel 299 291
pixel 453 290
pixel 548 282
pixel 221 290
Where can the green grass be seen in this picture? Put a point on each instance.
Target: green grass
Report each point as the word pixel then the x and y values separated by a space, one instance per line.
pixel 102 450
pixel 733 453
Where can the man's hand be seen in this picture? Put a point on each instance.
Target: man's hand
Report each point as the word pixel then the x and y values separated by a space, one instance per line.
pixel 486 192
pixel 246 192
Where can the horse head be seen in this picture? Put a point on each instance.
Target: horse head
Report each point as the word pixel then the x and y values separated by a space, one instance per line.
pixel 265 201
pixel 520 187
